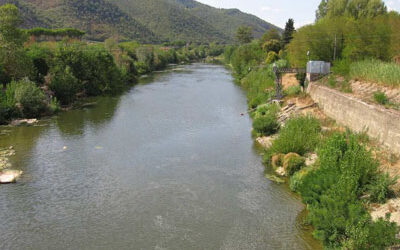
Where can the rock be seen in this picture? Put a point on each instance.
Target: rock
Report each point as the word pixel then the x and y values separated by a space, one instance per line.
pixel 311 159
pixel 9 176
pixel 281 171
pixel 24 122
pixel 266 141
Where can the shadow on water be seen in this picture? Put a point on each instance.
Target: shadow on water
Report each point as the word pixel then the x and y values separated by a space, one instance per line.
pixel 73 123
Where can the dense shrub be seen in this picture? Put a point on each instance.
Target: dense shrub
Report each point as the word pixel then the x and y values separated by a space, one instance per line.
pixel 65 86
pixel 379 189
pixel 30 98
pixel 299 135
pixel 271 57
pixel 381 98
pixel 266 125
pixel 332 194
pixel 40 56
pixel 292 163
pixel 293 90
pixel 93 66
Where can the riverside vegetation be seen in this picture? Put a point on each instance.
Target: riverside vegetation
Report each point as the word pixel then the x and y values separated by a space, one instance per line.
pixel 345 179
pixel 39 78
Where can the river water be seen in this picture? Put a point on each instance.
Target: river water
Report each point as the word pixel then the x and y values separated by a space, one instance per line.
pixel 168 165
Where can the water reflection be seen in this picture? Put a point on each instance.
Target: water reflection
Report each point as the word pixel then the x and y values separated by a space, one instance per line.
pixel 96 114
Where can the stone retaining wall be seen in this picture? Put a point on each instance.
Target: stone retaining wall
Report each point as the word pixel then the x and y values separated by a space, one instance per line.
pixel 378 122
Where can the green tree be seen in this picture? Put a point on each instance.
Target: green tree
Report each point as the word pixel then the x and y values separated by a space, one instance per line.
pixel 322 9
pixel 244 34
pixel 12 54
pixel 272 34
pixel 288 33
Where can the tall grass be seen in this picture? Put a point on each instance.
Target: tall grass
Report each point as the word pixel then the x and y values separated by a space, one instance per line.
pixel 376 71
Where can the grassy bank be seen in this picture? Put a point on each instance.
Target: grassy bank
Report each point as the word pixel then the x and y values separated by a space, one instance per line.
pixel 340 185
pixel 375 71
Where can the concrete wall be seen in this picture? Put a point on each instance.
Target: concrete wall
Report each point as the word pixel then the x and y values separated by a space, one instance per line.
pixel 380 123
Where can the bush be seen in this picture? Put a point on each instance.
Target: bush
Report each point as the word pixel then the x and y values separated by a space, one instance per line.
pixel 292 163
pixel 93 66
pixel 381 98
pixel 65 86
pixel 271 57
pixel 293 90
pixel 266 125
pixel 332 194
pixel 297 179
pixel 30 97
pixel 380 188
pixel 341 67
pixel 300 135
pixel 54 105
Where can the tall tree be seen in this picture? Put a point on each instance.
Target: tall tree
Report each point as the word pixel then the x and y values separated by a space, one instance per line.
pixel 244 34
pixel 272 34
pixel 288 33
pixel 322 10
pixel 351 8
pixel 12 54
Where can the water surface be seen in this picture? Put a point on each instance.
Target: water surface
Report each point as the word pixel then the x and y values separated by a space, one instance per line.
pixel 168 165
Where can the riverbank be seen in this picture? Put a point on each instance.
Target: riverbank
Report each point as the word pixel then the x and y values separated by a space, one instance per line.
pixel 330 167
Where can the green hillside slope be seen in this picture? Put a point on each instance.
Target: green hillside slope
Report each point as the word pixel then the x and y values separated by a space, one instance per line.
pixel 146 21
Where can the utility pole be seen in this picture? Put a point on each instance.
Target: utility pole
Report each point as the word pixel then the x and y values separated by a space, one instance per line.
pixel 335 49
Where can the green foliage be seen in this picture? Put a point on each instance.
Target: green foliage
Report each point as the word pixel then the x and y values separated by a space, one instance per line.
pixel 8 103
pixel 297 179
pixel 355 40
pixel 293 163
pixel 244 34
pixel 12 55
pixel 332 193
pixel 40 57
pixel 65 85
pixel 287 35
pixel 271 57
pixel 54 105
pixel 376 71
pixel 293 90
pixel 68 32
pixel 258 84
pixel 341 67
pixel 299 135
pixel 93 66
pixel 266 125
pixel 381 98
pixel 272 45
pixel 380 188
pixel 351 8
pixel 30 98
pixel 272 34
pixel 245 57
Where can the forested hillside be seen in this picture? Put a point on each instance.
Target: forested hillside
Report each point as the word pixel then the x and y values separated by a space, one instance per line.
pixel 146 21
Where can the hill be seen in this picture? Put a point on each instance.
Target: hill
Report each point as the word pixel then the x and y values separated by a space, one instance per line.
pixel 145 21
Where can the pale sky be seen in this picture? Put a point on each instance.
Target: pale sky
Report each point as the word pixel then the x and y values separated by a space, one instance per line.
pixel 278 12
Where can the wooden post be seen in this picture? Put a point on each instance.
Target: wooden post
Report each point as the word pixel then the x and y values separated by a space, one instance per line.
pixel 278 87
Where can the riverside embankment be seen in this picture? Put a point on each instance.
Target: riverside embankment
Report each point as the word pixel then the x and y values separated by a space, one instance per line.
pixel 170 164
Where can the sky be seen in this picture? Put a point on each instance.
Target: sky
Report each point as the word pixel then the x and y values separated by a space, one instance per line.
pixel 278 12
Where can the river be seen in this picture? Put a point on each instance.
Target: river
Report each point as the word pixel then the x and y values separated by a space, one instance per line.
pixel 170 164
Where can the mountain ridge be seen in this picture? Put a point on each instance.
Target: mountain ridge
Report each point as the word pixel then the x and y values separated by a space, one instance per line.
pixel 150 21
